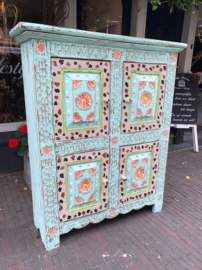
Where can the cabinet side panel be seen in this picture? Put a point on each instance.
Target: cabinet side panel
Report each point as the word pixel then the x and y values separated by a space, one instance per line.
pixel 33 137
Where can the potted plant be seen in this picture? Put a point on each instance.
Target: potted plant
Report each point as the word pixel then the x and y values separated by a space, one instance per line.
pixel 21 144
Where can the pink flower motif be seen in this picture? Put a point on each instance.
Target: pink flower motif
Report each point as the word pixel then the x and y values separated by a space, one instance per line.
pixel 172 58
pixel 91 85
pixel 149 112
pixel 77 118
pixel 152 85
pixel 52 231
pixel 91 117
pixel 135 162
pixel 85 186
pixel 139 113
pixel 165 133
pixel 112 213
pixel 76 84
pixel 144 184
pixel 159 198
pixel 41 48
pixel 139 174
pixel 141 85
pixel 92 198
pixel 117 54
pixel 84 101
pixel 78 174
pixel 133 186
pixel 78 201
pixel 47 150
pixel 146 99
pixel 92 171
pixel 114 141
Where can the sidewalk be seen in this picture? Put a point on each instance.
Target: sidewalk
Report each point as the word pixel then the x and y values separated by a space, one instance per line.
pixel 140 239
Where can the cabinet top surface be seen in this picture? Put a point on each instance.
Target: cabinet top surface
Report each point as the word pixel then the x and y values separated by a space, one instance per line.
pixel 36 31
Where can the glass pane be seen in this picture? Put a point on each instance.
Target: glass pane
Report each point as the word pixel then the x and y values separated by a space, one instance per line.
pixel 163 25
pixel 12 103
pixel 102 16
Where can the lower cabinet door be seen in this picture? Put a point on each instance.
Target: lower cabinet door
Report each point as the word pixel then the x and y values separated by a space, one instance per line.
pixel 138 171
pixel 82 184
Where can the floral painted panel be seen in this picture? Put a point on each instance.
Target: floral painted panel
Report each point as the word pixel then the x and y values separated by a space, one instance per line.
pixel 81 96
pixel 83 184
pixel 139 164
pixel 143 97
pixel 82 105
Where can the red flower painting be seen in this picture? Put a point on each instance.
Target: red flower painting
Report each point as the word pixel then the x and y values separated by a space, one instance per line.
pixel 13 143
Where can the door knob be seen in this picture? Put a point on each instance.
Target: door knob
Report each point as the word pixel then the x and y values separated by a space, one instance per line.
pixel 106 182
pixel 128 100
pixel 107 100
pixel 123 177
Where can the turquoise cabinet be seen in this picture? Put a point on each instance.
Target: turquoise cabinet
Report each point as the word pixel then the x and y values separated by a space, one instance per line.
pixel 98 114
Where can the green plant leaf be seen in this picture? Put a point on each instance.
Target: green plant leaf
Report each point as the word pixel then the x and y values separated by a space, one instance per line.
pixel 154 7
pixel 18 133
pixel 138 9
pixel 24 140
pixel 23 150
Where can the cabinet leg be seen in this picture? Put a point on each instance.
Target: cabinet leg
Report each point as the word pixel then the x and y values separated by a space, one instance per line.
pixel 51 241
pixel 157 207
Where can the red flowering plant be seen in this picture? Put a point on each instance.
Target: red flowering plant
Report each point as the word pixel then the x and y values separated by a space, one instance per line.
pixel 22 142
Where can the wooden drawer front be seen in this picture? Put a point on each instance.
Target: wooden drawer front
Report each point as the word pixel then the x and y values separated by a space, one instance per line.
pixel 143 97
pixel 83 184
pixel 139 164
pixel 81 95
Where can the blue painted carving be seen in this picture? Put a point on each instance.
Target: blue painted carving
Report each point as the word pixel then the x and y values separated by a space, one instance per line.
pixel 74 44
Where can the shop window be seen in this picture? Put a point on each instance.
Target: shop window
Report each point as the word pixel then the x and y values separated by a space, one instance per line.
pixel 163 25
pixel 101 16
pixel 12 103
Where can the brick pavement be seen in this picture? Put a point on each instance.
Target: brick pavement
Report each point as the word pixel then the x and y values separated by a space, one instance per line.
pixel 140 240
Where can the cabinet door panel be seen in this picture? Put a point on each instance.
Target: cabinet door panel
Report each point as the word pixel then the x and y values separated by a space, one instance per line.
pixel 138 171
pixel 83 184
pixel 81 96
pixel 143 97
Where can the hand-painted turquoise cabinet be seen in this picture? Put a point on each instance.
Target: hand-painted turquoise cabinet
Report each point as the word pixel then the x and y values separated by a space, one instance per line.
pixel 98 114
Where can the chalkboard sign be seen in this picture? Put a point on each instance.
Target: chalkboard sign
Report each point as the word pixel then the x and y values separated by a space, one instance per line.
pixel 185 102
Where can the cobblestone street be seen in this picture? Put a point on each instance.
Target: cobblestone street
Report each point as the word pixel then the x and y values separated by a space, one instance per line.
pixel 140 239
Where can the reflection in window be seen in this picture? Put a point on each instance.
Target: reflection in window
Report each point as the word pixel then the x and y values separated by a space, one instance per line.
pixel 102 16
pixel 52 12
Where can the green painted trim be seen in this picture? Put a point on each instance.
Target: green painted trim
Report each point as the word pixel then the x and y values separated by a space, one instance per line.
pixel 101 98
pixel 157 97
pixel 131 194
pixel 101 178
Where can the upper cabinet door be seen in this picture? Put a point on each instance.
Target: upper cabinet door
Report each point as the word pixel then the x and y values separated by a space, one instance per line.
pixel 81 97
pixel 143 97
